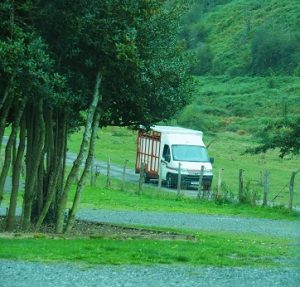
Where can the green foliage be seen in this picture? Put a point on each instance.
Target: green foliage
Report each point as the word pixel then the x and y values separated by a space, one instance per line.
pixel 192 116
pixel 202 60
pixel 275 50
pixel 134 45
pixel 24 56
pixel 282 134
pixel 246 37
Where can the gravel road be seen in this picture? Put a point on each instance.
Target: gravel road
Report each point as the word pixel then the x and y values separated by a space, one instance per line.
pixel 283 228
pixel 26 274
pixel 199 222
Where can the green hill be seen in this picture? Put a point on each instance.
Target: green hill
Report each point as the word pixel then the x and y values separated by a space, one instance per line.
pixel 240 104
pixel 246 54
pixel 238 37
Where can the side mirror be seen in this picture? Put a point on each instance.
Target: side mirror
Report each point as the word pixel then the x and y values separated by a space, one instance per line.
pixel 212 160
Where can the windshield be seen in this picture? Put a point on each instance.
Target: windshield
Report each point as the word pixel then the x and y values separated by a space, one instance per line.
pixel 190 153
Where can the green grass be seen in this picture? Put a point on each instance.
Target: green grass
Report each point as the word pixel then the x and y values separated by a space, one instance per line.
pixel 117 143
pixel 227 150
pixel 153 200
pixel 210 249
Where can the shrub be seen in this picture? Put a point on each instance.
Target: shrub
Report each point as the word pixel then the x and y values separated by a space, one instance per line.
pixel 275 50
pixel 202 60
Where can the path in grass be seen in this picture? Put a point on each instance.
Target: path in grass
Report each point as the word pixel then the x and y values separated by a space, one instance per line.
pixel 29 274
pixel 282 228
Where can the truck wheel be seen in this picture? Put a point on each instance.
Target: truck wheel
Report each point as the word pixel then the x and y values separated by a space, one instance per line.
pixel 147 179
pixel 206 187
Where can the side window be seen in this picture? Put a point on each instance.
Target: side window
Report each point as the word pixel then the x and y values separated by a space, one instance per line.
pixel 167 153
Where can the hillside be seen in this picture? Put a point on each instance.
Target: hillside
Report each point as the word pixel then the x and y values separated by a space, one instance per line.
pixel 240 104
pixel 246 56
pixel 241 37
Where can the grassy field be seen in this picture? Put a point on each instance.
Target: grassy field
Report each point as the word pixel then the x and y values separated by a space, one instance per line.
pixel 209 249
pixel 226 148
pixel 153 200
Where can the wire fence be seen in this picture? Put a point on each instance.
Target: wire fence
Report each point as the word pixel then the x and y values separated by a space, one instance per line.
pixel 253 191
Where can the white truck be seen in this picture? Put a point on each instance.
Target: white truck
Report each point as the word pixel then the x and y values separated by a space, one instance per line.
pixel 163 149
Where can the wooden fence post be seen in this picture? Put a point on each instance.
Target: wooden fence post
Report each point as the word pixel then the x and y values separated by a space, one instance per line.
pixel 241 186
pixel 108 181
pixel 266 187
pixel 179 179
pixel 142 177
pixel 124 175
pixel 97 173
pixel 292 184
pixel 200 187
pixel 219 188
pixel 159 179
pixel 92 180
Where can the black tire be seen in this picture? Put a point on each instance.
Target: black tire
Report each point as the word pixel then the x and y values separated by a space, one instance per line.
pixel 206 187
pixel 147 179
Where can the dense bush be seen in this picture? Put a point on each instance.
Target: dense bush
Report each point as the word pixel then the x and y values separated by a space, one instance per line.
pixel 275 50
pixel 202 60
pixel 244 37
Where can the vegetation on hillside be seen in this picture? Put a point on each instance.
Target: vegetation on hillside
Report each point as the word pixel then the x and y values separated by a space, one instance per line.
pixel 244 37
pixel 240 104
pixel 252 48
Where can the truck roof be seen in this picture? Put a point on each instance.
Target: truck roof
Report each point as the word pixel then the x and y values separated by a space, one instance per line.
pixel 175 130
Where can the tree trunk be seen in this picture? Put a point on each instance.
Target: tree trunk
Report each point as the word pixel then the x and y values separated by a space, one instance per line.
pixel 3 117
pixel 80 185
pixel 35 162
pixel 16 178
pixel 9 146
pixel 81 155
pixel 54 175
pixel 61 180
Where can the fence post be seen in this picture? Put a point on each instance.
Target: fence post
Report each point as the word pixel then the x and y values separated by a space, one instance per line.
pixel 241 186
pixel 219 188
pixel 292 183
pixel 124 175
pixel 159 179
pixel 200 182
pixel 266 187
pixel 108 181
pixel 92 181
pixel 179 179
pixel 97 173
pixel 141 180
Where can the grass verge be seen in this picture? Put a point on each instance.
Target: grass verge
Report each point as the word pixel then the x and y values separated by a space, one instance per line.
pixel 209 249
pixel 153 200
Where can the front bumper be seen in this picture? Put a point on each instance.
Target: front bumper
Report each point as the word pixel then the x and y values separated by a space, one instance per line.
pixel 192 180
